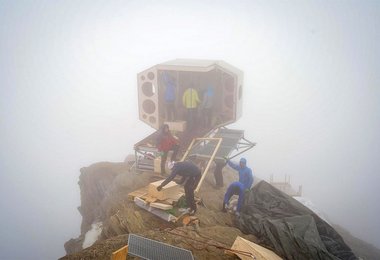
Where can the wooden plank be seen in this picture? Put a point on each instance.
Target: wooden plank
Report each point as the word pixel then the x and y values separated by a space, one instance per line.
pixel 144 197
pixel 170 190
pixel 188 150
pixel 160 205
pixel 164 202
pixel 150 199
pixel 210 161
pixel 120 254
pixel 138 193
pixel 174 198
pixel 261 253
pixel 140 200
pixel 158 212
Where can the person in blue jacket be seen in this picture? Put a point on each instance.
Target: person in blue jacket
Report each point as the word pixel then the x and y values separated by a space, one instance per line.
pixel 238 188
pixel 170 96
pixel 191 174
pixel 235 188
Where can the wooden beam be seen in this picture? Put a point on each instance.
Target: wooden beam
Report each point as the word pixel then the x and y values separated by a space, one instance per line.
pixel 188 150
pixel 210 160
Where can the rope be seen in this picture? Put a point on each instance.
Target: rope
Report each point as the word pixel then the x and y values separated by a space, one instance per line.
pixel 211 244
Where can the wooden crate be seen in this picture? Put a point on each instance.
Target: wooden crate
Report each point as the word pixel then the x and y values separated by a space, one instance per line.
pixel 179 126
pixel 169 191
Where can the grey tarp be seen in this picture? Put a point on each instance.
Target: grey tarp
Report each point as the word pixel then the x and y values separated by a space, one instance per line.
pixel 289 228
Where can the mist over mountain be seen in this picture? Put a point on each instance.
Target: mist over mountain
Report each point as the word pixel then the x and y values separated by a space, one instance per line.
pixel 69 99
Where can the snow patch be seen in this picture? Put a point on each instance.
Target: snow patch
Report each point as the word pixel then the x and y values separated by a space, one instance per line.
pixel 93 234
pixel 307 203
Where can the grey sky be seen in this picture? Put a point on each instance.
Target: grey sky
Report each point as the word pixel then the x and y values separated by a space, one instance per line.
pixel 68 99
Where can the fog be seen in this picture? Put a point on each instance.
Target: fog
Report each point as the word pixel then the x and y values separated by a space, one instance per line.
pixel 68 98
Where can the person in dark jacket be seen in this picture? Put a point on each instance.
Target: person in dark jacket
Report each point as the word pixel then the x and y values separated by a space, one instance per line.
pixel 165 143
pixel 218 173
pixel 191 174
pixel 238 188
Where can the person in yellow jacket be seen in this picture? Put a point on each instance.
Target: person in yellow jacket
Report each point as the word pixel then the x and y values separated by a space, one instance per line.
pixel 190 101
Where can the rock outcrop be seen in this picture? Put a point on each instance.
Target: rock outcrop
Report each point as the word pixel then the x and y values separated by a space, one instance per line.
pixel 104 198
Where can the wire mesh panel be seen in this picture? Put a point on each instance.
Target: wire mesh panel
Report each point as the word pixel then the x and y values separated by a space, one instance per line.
pixel 230 141
pixel 150 249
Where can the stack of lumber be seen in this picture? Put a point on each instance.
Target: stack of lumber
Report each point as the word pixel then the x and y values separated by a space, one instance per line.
pixel 163 199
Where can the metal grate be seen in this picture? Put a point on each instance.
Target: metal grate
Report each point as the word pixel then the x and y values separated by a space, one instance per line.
pixel 151 249
pixel 231 140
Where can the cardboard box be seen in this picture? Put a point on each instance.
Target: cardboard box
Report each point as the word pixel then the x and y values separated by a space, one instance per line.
pixel 179 126
pixel 169 191
pixel 157 165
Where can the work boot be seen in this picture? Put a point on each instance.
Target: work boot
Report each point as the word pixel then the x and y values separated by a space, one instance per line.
pixel 192 211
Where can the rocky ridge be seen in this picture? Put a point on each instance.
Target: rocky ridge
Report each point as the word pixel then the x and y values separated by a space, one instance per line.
pixel 104 197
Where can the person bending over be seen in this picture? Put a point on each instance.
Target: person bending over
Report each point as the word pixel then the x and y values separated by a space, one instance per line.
pixel 190 174
pixel 239 187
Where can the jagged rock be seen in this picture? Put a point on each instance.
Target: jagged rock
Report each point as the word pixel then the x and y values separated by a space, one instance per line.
pixel 94 183
pixel 74 245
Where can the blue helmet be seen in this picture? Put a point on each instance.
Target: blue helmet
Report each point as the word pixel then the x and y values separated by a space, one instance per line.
pixel 243 160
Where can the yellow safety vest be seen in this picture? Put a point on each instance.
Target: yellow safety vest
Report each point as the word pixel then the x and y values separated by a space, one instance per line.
pixel 190 98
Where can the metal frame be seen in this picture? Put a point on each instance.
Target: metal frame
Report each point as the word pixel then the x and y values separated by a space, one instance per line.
pixel 151 249
pixel 219 140
pixel 243 144
pixel 247 145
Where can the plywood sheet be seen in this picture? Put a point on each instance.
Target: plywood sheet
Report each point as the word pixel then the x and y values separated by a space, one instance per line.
pixel 174 198
pixel 169 191
pixel 138 193
pixel 261 253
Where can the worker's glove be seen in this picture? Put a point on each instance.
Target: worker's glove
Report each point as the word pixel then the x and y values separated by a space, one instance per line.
pixel 159 188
